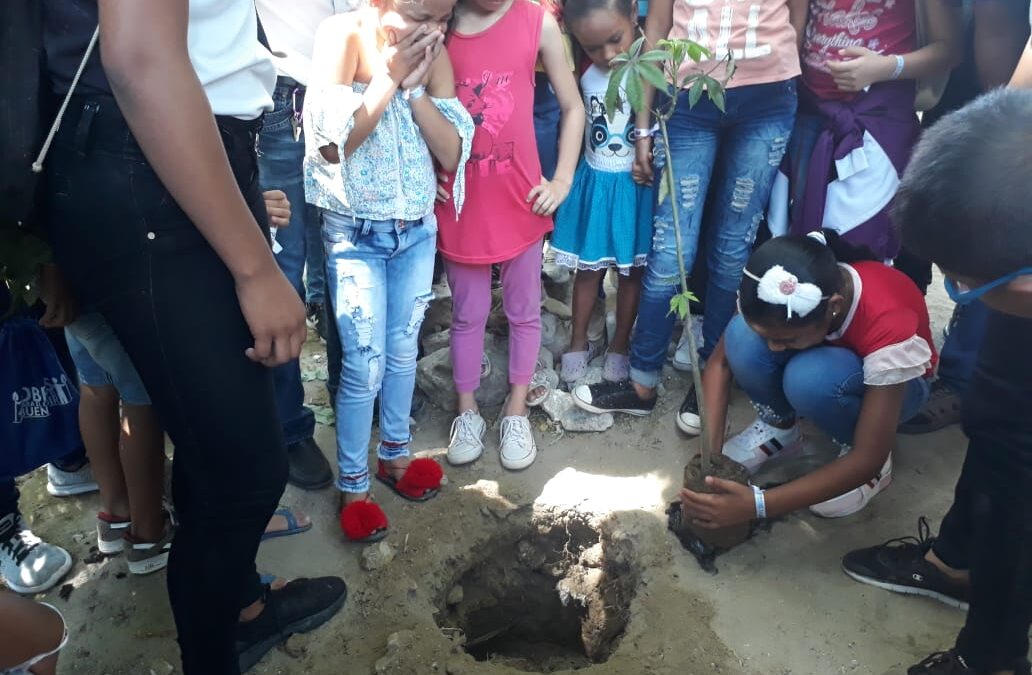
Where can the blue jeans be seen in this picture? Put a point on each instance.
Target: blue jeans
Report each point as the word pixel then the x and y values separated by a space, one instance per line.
pixel 280 168
pixel 379 276
pixel 824 384
pixel 733 157
pixel 546 124
pixel 960 350
pixel 101 360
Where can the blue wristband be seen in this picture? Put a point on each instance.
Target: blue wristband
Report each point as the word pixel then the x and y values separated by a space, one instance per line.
pixel 900 63
pixel 761 503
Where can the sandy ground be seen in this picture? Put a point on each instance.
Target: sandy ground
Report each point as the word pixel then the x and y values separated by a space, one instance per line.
pixel 779 604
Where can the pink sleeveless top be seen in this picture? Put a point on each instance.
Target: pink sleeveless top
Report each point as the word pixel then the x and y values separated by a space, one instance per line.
pixel 494 80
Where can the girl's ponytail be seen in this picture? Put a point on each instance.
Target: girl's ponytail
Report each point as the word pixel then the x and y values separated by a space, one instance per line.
pixel 844 251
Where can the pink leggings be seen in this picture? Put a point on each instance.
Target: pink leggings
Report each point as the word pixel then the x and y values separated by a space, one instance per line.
pixel 471 304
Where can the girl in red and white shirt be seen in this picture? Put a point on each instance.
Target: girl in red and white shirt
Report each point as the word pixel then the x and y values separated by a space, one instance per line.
pixel 827 335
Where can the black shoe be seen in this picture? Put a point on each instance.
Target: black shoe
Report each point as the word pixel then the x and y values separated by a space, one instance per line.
pixel 309 469
pixel 942 409
pixel 299 607
pixel 942 663
pixel 610 397
pixel 688 419
pixel 899 565
pixel 317 318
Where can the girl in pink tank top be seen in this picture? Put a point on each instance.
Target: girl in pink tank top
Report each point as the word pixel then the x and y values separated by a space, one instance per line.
pixel 494 48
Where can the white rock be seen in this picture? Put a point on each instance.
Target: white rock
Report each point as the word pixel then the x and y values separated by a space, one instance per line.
pixel 576 419
pixel 455 595
pixel 376 556
pixel 557 403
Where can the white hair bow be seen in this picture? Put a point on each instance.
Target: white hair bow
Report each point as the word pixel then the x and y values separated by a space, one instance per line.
pixel 778 286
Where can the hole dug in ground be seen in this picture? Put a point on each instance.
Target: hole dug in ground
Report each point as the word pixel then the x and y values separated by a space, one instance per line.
pixel 544 596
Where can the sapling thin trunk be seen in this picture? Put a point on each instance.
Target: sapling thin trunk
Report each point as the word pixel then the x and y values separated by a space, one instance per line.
pixel 633 72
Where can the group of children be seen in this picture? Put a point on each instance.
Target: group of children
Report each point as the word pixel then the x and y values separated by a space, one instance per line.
pixel 421 139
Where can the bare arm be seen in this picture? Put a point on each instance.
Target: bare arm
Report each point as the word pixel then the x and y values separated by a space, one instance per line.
pixel 872 442
pixel 716 392
pixel 1022 78
pixel 144 52
pixel 571 108
pixel 1000 36
pixel 143 46
pixel 658 23
pixel 860 67
pixel 440 135
pixel 798 13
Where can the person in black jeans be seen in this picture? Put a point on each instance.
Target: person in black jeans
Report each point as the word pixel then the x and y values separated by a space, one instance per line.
pixel 993 40
pixel 964 204
pixel 156 218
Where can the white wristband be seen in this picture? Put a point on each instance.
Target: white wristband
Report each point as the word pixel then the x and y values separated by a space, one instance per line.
pixel 900 63
pixel 642 133
pixel 761 503
pixel 414 93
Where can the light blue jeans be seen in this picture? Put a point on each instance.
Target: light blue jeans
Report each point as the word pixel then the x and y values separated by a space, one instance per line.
pixel 379 275
pixel 730 157
pixel 101 360
pixel 824 384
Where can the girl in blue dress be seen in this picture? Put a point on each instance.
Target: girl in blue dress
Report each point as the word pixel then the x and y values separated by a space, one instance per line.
pixel 606 220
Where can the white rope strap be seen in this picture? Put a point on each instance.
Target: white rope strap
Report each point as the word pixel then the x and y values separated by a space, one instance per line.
pixel 37 166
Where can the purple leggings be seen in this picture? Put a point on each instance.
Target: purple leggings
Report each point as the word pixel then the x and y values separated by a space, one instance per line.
pixel 471 304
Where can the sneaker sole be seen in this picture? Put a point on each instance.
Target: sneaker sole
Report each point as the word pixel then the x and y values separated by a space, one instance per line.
pixel 462 461
pixel 601 411
pixel 53 581
pixel 682 366
pixel 521 464
pixel 72 490
pixel 150 565
pixel 253 654
pixel 863 505
pixel 110 547
pixel 690 429
pixel 907 590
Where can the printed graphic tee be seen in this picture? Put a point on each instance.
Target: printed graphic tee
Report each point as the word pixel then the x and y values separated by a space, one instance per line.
pixel 494 80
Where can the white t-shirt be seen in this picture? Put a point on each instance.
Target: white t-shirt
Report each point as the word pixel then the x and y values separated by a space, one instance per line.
pixel 608 143
pixel 236 72
pixel 290 26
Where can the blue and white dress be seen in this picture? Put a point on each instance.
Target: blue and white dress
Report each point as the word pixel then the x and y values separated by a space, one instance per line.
pixel 607 218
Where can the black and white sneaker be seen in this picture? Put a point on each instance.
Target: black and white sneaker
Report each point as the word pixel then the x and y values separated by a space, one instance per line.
pixel 611 397
pixel 688 419
pixel 942 663
pixel 899 565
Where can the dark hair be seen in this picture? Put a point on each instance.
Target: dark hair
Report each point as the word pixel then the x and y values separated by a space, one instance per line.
pixel 965 202
pixel 575 10
pixel 806 258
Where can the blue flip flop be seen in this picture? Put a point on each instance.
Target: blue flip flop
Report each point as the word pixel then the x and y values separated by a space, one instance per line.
pixel 292 525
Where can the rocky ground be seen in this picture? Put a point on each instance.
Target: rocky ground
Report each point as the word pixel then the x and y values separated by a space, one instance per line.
pixel 564 566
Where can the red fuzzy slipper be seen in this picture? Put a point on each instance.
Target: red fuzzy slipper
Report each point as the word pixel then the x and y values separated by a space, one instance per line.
pixel 420 483
pixel 363 522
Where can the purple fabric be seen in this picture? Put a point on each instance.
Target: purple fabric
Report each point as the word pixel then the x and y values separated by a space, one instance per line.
pixel 886 110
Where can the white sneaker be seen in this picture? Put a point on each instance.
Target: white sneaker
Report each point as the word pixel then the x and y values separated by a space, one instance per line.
pixel 29 564
pixel 467 438
pixel 517 448
pixel 761 442
pixel 855 500
pixel 68 483
pixel 683 356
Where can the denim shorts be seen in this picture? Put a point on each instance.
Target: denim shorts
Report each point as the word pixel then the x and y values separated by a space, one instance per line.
pixel 102 361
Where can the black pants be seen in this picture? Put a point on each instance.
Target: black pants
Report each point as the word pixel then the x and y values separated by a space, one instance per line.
pixel 988 531
pixel 130 251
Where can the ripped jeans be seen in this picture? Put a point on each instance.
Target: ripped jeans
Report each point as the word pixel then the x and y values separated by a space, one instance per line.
pixel 731 157
pixel 379 275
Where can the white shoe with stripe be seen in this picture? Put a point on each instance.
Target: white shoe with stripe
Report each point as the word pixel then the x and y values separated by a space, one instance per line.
pixel 761 442
pixel 856 499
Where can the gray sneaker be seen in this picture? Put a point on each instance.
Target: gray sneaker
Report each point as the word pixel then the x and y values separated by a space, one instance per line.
pixel 149 556
pixel 68 483
pixel 517 449
pixel 27 563
pixel 111 534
